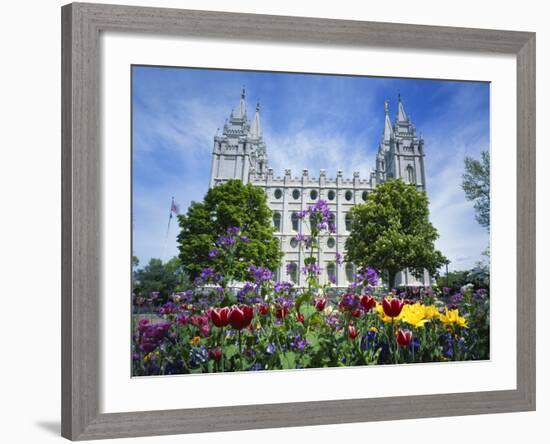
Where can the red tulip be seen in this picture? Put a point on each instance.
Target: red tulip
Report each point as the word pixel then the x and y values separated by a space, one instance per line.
pixel 215 353
pixel 219 316
pixel 356 313
pixel 352 331
pixel 240 317
pixel 300 317
pixel 263 309
pixel 404 337
pixel 392 307
pixel 368 302
pixel 281 312
pixel 320 303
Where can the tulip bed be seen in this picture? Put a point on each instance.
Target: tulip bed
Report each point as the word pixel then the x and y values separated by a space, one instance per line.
pixel 187 335
pixel 268 325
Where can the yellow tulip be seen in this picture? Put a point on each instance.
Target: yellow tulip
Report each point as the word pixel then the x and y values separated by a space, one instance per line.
pixel 452 317
pixel 414 314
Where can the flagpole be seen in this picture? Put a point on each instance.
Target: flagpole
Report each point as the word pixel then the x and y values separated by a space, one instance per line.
pixel 167 230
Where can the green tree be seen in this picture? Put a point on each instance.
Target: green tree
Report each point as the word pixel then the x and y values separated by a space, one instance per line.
pixel 231 204
pixel 166 278
pixel 391 231
pixel 476 186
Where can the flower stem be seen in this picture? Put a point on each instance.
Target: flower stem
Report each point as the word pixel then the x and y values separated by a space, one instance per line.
pixel 222 341
pixel 240 351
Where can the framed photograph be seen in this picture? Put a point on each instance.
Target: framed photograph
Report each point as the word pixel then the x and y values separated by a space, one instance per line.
pixel 279 221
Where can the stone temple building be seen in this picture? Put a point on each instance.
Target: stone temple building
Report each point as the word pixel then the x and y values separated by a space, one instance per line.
pixel 240 152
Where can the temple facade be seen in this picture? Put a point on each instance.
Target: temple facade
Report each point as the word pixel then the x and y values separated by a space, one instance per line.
pixel 240 153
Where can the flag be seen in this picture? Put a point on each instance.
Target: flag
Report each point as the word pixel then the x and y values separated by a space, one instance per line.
pixel 174 208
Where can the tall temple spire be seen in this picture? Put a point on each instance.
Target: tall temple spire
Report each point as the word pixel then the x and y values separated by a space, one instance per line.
pixel 240 111
pixel 401 115
pixel 387 123
pixel 255 129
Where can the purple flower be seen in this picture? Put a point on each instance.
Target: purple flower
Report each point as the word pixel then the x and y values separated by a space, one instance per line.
pixel 456 298
pixel 270 349
pixel 260 274
pixel 282 287
pixel 226 241
pixel 299 343
pixel 311 268
pixel 481 293
pixel 213 253
pixel 291 267
pixel 167 308
pixel 245 239
pixel 372 276
pixel 332 279
pixel 248 287
pixel 183 296
pixel 339 259
pixel 349 302
pixel 322 226
pixel 208 274
pixel 148 347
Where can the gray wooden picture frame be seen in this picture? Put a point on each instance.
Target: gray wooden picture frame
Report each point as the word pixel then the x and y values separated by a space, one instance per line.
pixel 81 232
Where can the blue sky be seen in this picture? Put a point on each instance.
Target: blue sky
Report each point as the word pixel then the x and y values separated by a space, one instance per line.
pixel 308 121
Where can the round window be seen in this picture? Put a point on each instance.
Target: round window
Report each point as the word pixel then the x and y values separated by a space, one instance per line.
pixel 331 195
pixel 348 195
pixel 296 194
pixel 365 195
pixel 313 194
pixel 331 242
pixel 278 193
pixel 293 243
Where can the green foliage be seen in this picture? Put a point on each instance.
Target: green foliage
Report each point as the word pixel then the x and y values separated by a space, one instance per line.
pixel 391 231
pixel 454 280
pixel 166 278
pixel 478 277
pixel 231 204
pixel 476 186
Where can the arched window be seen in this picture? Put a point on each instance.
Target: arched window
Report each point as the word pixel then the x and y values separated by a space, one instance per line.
pixel 293 243
pixel 295 222
pixel 365 195
pixel 296 194
pixel 277 221
pixel 348 195
pixel 312 221
pixel 349 272
pixel 332 219
pixel 410 174
pixel 278 193
pixel 292 271
pixel 331 242
pixel 331 195
pixel 313 194
pixel 331 271
pixel 348 222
